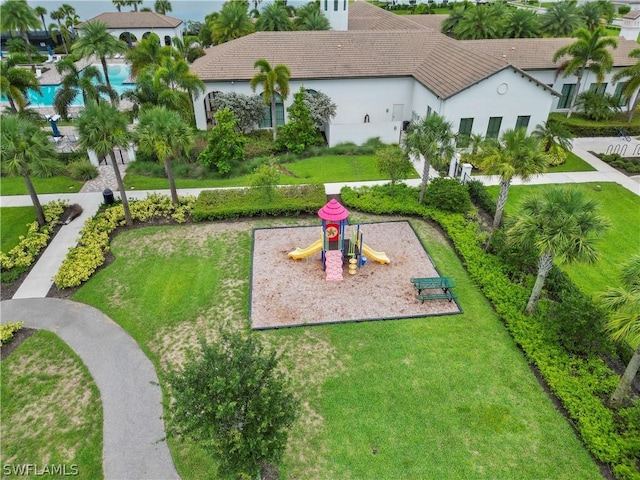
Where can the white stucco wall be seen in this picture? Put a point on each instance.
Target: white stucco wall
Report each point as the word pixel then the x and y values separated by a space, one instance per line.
pixel 507 94
pixel 338 17
pixel 139 32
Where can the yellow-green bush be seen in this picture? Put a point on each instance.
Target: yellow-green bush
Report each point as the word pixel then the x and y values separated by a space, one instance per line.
pixel 7 331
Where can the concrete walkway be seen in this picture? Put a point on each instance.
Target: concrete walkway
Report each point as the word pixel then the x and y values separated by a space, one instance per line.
pixel 131 397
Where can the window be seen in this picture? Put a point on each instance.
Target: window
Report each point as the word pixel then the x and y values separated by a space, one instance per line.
pixel 335 5
pixel 568 89
pixel 598 88
pixel 344 5
pixel 266 120
pixel 464 132
pixel 523 121
pixel 493 130
pixel 428 110
pixel 326 5
pixel 617 95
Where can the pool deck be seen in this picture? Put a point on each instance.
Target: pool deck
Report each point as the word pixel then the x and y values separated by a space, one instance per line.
pixel 52 77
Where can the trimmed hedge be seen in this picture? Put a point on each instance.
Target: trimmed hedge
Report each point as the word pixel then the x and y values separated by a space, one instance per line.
pixel 581 383
pixel 84 259
pixel 581 127
pixel 7 331
pixel 251 202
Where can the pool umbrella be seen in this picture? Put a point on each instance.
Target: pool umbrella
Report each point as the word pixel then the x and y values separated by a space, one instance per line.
pixel 54 127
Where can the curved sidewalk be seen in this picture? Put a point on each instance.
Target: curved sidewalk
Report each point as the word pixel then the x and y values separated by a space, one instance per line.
pixel 134 445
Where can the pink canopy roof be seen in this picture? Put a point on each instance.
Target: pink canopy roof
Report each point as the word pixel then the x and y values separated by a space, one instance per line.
pixel 333 211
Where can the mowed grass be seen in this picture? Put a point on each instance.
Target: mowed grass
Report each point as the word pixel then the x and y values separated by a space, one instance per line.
pixel 439 397
pixel 51 409
pixel 57 184
pixel 14 222
pixel 573 164
pixel 326 169
pixel 622 240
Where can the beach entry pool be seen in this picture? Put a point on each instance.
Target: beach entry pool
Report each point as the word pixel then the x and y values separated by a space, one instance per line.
pixel 118 74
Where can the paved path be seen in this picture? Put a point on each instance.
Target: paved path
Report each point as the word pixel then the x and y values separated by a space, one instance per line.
pixel 131 398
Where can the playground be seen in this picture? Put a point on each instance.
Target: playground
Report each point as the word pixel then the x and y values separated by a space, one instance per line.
pixel 288 292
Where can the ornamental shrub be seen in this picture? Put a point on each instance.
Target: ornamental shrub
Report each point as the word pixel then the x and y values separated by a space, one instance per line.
pixel 225 147
pixel 448 194
pixel 299 132
pixel 82 170
pixel 7 331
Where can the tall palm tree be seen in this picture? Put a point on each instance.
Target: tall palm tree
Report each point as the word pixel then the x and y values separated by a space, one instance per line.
pixel 41 12
pixel 631 75
pixel 560 224
pixel 26 151
pixel 96 40
pixel 592 15
pixel 522 23
pixel 15 83
pixel 134 4
pixel 562 19
pixel 450 23
pixel 174 82
pixel 149 52
pixel 163 133
pixel 274 81
pixel 589 52
pixel 478 23
pixel 623 303
pixel 311 18
pixel 17 15
pixel 431 138
pixel 119 4
pixel 70 15
pixel 274 18
pixel 516 155
pixel 102 128
pixel 232 22
pixel 162 6
pixel 58 16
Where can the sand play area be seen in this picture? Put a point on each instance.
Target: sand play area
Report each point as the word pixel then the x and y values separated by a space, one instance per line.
pixel 286 292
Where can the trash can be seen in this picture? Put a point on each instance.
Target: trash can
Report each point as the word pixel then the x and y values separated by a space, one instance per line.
pixel 405 125
pixel 107 195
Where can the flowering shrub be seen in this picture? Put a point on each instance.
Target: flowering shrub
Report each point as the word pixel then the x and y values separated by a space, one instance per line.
pixel 20 257
pixel 7 331
pixel 93 244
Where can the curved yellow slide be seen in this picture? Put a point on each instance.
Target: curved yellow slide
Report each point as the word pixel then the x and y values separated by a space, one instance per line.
pixel 379 257
pixel 299 253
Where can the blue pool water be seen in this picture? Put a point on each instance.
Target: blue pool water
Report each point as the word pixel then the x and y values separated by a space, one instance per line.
pixel 118 74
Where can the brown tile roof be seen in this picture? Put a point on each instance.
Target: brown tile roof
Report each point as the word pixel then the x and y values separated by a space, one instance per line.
pixel 632 15
pixel 135 20
pixel 536 53
pixel 441 64
pixel 365 16
pixel 433 22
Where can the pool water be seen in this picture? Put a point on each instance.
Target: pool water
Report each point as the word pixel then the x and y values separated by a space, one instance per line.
pixel 118 74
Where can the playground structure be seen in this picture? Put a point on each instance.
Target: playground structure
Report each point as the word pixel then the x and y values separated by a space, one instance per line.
pixel 335 245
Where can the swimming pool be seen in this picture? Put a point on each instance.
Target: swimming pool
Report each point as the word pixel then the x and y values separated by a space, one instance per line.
pixel 118 74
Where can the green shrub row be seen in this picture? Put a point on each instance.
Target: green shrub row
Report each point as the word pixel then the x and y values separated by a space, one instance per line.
pixel 252 202
pixel 581 127
pixel 581 383
pixel 21 257
pixel 7 331
pixel 631 165
pixel 84 259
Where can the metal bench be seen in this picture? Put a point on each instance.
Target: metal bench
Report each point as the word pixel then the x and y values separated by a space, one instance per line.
pixel 437 296
pixel 432 283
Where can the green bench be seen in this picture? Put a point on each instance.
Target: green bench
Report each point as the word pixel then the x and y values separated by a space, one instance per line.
pixel 432 283
pixel 437 296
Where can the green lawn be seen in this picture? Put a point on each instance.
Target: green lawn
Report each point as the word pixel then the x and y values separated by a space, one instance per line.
pixel 334 168
pixel 51 409
pixel 441 397
pixel 58 184
pixel 13 223
pixel 622 208
pixel 573 164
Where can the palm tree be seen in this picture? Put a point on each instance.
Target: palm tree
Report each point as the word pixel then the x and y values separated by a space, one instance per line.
pixel 479 23
pixel 516 155
pixel 86 81
pixel 17 15
pixel 632 76
pixel 623 303
pixel 590 52
pixel 173 79
pixel 96 40
pixel 41 12
pixel 26 151
pixel 15 83
pixel 561 224
pixel 274 81
pixel 58 15
pixel 102 127
pixel 163 133
pixel 552 134
pixel 562 19
pixel 274 18
pixel 119 4
pixel 311 18
pixel 162 6
pixel 450 24
pixel 522 23
pixel 592 15
pixel 232 22
pixel 431 138
pixel 134 4
pixel 149 52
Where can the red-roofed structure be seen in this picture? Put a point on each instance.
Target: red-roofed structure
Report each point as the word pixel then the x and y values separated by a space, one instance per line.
pixel 333 211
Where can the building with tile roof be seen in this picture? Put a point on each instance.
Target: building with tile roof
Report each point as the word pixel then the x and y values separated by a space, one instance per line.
pixel 387 70
pixel 134 26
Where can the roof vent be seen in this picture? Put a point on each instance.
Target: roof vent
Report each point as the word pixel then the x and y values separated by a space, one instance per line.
pixel 513 48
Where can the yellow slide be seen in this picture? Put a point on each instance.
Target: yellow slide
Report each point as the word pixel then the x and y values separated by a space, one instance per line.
pixel 379 257
pixel 299 253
